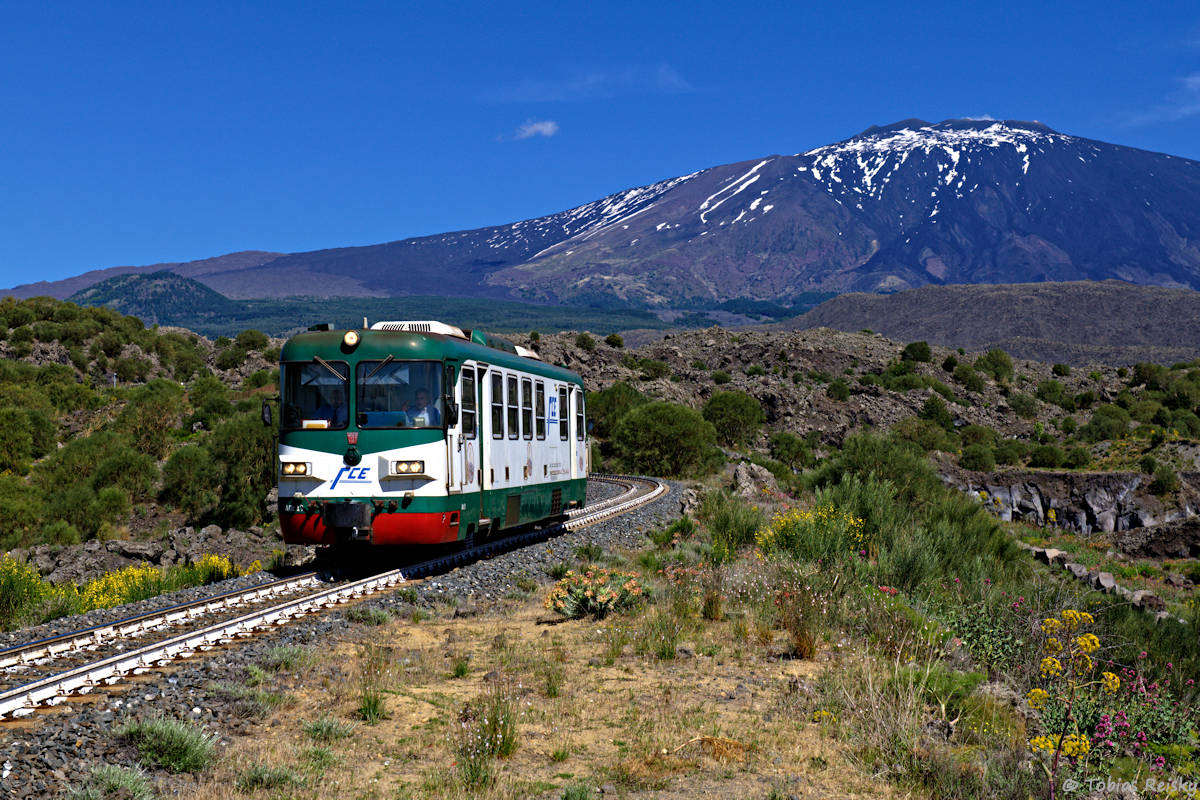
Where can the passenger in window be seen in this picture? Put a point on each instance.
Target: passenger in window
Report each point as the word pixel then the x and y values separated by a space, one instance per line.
pixel 423 409
pixel 334 410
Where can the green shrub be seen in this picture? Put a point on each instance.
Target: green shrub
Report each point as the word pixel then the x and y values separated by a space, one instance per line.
pixel 209 398
pixel 260 378
pixel 1165 480
pixel 614 340
pixel 173 745
pixel 971 380
pixel 665 439
pixel 243 447
pixel 934 410
pixel 721 377
pixel 134 473
pixel 755 371
pixel 736 416
pixel 653 370
pixel 1023 405
pixel 789 449
pixel 978 457
pixel 1144 410
pixel 731 523
pixel 1107 422
pixel 1078 458
pixel 1051 391
pixel 16 441
pixel 585 342
pixel 150 414
pixel 231 358
pixel 1068 425
pixel 252 340
pixel 917 351
pixel 1153 376
pixel 838 390
pixel 1047 456
pixel 950 364
pixel 22 511
pixel 926 435
pixel 996 363
pixel 977 434
pixel 607 406
pixel 1009 452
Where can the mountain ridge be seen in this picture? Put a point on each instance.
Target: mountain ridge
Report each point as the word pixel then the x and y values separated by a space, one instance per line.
pixel 892 208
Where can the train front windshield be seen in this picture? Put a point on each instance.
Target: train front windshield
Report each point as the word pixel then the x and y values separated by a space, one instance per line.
pixel 399 394
pixel 316 394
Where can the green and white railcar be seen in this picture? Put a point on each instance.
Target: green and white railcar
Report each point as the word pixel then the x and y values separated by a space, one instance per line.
pixel 422 433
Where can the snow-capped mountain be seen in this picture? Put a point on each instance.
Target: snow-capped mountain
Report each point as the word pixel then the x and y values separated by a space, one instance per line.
pixel 914 203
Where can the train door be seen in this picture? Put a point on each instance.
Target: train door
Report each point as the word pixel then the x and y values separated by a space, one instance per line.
pixel 578 450
pixel 465 451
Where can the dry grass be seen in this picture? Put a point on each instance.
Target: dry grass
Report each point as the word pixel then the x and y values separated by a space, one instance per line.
pixel 730 721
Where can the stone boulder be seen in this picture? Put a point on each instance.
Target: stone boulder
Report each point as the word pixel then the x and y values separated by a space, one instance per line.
pixel 749 481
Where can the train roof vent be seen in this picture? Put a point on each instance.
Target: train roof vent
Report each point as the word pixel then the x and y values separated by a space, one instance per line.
pixel 527 353
pixel 426 326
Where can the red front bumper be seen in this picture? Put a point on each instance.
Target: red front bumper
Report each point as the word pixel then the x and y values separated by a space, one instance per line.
pixel 387 528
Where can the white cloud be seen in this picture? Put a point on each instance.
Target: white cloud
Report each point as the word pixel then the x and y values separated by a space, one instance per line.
pixel 1182 103
pixel 596 85
pixel 981 118
pixel 545 127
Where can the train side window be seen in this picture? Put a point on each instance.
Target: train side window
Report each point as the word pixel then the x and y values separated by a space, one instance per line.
pixel 497 406
pixel 539 409
pixel 526 408
pixel 564 415
pixel 514 424
pixel 579 415
pixel 468 402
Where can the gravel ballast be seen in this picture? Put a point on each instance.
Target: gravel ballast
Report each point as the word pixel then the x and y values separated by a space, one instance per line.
pixel 53 751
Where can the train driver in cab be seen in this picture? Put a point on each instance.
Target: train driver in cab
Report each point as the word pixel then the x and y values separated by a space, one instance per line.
pixel 423 408
pixel 334 410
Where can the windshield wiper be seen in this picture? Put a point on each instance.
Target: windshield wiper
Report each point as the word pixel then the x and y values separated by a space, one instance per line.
pixel 329 367
pixel 378 367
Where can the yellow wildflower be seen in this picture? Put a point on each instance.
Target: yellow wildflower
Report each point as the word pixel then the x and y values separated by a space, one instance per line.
pixel 1050 667
pixel 1111 682
pixel 1053 646
pixel 1088 643
pixel 1041 743
pixel 1050 625
pixel 1075 746
pixel 1081 663
pixel 1038 698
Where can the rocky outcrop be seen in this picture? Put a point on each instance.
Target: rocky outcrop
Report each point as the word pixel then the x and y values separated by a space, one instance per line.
pixel 1087 502
pixel 1174 539
pixel 751 480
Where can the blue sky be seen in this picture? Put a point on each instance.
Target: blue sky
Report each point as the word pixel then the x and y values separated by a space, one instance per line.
pixel 140 133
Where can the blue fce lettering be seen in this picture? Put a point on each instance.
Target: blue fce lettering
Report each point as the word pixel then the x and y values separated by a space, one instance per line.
pixel 352 475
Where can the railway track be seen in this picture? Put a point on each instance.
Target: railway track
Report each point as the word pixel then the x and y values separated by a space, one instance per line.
pixel 48 671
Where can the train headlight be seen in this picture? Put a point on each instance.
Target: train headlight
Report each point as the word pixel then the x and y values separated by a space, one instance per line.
pixel 408 467
pixel 295 468
pixel 350 339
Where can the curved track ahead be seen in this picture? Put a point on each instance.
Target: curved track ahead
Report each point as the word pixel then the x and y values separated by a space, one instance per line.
pixel 65 670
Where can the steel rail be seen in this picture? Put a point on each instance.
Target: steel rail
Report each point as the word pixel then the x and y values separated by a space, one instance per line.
pixel 53 689
pixel 93 637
